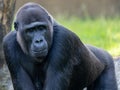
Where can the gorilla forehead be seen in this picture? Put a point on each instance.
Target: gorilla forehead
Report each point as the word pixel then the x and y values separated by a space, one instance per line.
pixel 31 12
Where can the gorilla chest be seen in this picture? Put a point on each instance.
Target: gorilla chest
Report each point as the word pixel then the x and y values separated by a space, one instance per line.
pixel 38 78
pixel 36 73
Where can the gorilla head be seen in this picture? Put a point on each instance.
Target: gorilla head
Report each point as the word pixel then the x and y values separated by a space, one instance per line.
pixel 34 28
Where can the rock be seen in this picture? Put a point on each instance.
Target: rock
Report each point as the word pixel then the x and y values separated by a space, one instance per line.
pixel 5 80
pixel 117 70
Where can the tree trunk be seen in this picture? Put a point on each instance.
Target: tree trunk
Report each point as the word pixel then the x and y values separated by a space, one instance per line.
pixel 6 17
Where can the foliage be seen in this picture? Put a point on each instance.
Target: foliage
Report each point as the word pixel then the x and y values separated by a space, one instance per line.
pixel 100 32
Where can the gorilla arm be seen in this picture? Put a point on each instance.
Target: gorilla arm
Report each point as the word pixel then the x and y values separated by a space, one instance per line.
pixel 20 79
pixel 108 74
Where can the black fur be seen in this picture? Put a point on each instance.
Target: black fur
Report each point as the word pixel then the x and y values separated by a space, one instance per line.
pixel 68 65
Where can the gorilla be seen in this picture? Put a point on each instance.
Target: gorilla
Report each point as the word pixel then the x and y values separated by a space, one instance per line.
pixel 43 55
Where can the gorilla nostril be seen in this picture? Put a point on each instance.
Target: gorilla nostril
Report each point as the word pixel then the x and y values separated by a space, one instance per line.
pixel 38 41
pixel 41 40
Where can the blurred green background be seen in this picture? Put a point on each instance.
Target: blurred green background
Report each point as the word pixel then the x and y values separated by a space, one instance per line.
pixel 96 22
pixel 100 32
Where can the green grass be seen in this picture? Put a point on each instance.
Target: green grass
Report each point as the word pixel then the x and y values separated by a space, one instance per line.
pixel 100 32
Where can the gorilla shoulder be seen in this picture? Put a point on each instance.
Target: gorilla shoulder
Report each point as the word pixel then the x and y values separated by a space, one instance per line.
pixel 9 38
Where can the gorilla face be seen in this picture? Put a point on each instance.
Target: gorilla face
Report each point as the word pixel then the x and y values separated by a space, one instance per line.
pixel 34 31
pixel 36 38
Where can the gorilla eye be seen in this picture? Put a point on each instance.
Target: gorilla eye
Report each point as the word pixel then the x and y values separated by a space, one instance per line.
pixel 41 27
pixel 29 30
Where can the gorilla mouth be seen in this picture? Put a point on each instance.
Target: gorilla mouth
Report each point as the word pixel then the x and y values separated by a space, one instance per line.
pixel 39 53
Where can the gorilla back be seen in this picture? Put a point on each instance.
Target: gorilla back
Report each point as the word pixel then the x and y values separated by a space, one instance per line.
pixel 43 55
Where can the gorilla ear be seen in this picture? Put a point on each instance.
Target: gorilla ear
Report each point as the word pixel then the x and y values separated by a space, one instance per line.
pixel 16 26
pixel 50 19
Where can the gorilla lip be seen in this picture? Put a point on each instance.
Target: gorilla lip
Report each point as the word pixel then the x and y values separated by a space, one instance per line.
pixel 40 53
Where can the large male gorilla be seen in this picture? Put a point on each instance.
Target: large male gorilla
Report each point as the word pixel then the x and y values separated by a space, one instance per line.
pixel 43 55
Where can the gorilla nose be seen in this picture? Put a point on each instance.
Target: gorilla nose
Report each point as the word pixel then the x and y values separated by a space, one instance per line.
pixel 39 44
pixel 39 41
